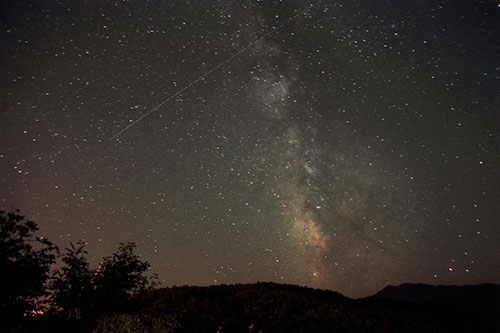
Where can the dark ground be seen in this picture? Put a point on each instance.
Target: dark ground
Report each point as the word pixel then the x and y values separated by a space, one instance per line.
pixel 270 307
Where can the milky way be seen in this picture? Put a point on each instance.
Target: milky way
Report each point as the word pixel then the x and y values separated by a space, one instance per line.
pixel 340 145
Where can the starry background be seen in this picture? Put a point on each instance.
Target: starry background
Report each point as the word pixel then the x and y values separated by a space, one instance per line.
pixel 335 144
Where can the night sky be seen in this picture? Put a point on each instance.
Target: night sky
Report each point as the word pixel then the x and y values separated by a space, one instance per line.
pixel 335 144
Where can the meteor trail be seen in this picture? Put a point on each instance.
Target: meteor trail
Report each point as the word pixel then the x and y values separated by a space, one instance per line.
pixel 192 83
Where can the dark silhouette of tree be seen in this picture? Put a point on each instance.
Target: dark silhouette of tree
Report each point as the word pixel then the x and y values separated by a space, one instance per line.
pixel 85 295
pixel 72 284
pixel 120 276
pixel 25 263
pixel 82 294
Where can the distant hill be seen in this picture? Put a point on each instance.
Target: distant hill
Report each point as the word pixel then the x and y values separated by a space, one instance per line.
pixel 271 307
pixel 480 301
pixel 471 296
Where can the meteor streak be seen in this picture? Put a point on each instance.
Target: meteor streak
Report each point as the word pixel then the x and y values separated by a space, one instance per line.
pixel 192 83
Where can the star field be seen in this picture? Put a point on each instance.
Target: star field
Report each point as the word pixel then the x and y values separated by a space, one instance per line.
pixel 340 145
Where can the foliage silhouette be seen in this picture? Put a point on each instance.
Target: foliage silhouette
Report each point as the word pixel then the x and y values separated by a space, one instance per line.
pixel 120 276
pixel 85 294
pixel 25 264
pixel 79 295
pixel 72 283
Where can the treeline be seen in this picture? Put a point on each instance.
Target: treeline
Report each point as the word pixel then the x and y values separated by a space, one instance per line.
pixel 71 294
pixel 119 296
